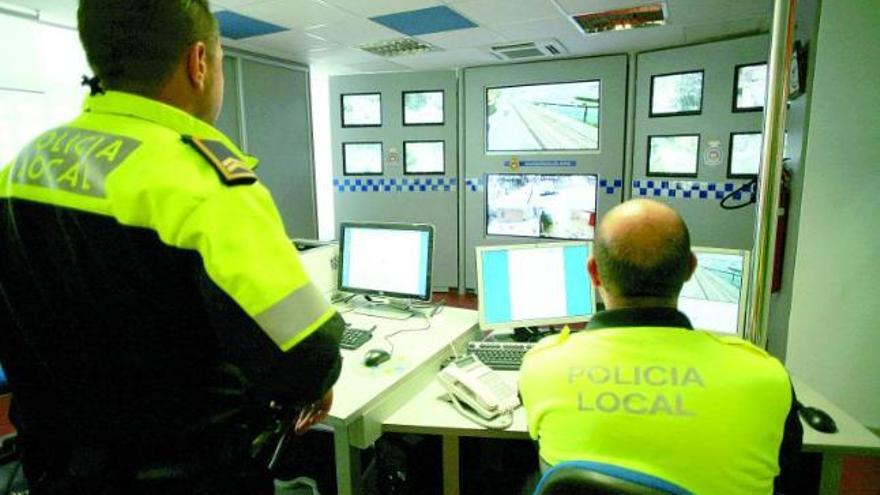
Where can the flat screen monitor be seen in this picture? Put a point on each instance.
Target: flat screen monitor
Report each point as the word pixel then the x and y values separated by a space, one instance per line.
pixel 362 110
pixel 423 108
pixel 424 157
pixel 362 158
pixel 386 259
pixel 677 94
pixel 534 284
pixel 750 86
pixel 672 156
pixel 745 154
pixel 557 206
pixel 543 117
pixel 715 297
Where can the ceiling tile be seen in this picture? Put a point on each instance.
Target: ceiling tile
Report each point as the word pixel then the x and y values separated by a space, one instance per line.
pixel 538 30
pixel 291 41
pixel 425 21
pixel 689 12
pixel 465 38
pixel 300 14
pixel 446 60
pixel 378 66
pixel 356 32
pixel 370 8
pixel 500 12
pixel 701 32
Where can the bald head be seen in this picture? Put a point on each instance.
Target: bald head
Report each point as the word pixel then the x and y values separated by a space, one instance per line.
pixel 642 250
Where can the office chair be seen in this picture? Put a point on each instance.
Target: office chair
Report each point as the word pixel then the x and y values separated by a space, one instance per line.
pixel 594 478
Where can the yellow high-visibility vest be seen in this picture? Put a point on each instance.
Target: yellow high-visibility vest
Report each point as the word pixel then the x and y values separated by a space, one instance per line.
pixel 702 411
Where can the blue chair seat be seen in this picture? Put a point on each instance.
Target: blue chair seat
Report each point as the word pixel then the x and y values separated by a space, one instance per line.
pixel 595 478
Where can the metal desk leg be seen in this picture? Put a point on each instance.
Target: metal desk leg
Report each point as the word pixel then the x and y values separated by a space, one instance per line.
pixel 829 483
pixel 451 475
pixel 349 473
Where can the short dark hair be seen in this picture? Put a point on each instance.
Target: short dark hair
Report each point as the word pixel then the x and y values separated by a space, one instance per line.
pixel 627 272
pixel 135 45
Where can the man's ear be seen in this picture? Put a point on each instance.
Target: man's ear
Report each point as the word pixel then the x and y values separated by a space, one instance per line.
pixel 197 64
pixel 693 267
pixel 594 272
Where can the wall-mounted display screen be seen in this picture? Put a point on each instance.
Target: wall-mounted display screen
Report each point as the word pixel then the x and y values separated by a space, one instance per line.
pixel 745 154
pixel 362 110
pixel 362 158
pixel 560 206
pixel 677 94
pixel 750 84
pixel 715 296
pixel 673 155
pixel 423 108
pixel 424 157
pixel 543 117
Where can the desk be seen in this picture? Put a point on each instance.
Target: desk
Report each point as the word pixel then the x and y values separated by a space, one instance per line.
pixel 426 414
pixel 364 397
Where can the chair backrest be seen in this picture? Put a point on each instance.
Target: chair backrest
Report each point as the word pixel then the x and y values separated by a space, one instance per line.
pixel 595 478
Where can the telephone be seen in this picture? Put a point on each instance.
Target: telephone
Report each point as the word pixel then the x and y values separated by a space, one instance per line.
pixel 470 381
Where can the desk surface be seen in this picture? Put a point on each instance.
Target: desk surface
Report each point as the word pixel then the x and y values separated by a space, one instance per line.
pixel 360 388
pixel 426 414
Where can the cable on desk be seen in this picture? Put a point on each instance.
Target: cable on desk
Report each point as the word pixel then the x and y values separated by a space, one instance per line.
pixel 427 326
pixel 502 422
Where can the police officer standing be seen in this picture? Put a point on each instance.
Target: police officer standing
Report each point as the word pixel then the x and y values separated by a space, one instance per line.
pixel 642 390
pixel 154 316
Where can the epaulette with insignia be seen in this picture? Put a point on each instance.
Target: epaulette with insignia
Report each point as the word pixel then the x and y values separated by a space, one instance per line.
pixel 232 171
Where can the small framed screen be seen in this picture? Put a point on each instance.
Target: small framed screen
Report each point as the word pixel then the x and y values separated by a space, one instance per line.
pixel 543 117
pixel 424 157
pixel 673 156
pixel 744 160
pixel 750 87
pixel 362 158
pixel 677 94
pixel 423 108
pixel 715 296
pixel 362 110
pixel 558 206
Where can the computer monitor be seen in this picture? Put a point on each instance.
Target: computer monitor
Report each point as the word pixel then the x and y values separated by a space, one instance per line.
pixel 386 259
pixel 557 206
pixel 534 284
pixel 715 297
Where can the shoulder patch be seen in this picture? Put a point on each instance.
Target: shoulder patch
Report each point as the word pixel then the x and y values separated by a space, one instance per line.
pixel 232 171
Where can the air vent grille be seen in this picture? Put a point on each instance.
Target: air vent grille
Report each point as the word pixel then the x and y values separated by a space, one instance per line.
pixel 531 49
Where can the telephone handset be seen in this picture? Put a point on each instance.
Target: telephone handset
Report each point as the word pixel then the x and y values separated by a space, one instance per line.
pixel 472 382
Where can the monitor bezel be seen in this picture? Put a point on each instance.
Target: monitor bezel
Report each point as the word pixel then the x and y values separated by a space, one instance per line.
pixel 735 108
pixel 481 310
pixel 417 227
pixel 486 201
pixel 744 291
pixel 699 111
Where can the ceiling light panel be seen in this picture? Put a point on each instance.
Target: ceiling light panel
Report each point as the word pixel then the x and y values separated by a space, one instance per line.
pixel 621 19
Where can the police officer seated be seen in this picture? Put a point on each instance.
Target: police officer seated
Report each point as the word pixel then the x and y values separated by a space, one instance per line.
pixel 155 320
pixel 643 390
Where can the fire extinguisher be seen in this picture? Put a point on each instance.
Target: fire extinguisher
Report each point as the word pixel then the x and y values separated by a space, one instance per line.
pixel 781 229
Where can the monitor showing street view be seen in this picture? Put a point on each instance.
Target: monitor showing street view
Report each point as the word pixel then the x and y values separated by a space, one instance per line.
pixel 714 297
pixel 362 158
pixel 677 94
pixel 745 154
pixel 543 117
pixel 751 87
pixel 673 155
pixel 422 107
pixel 559 206
pixel 362 110
pixel 424 157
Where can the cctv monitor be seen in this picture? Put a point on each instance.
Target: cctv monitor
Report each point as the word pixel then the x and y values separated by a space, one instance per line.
pixel 533 285
pixel 389 260
pixel 553 117
pixel 715 297
pixel 555 206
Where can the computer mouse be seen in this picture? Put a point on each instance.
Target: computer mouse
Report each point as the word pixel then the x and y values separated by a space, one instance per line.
pixel 375 357
pixel 818 419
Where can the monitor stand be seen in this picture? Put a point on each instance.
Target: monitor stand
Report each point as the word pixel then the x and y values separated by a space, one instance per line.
pixel 385 309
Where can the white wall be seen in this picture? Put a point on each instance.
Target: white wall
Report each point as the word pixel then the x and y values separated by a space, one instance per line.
pixel 834 334
pixel 39 80
pixel 319 86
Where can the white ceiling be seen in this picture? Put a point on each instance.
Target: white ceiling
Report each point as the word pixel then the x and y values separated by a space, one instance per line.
pixel 325 33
